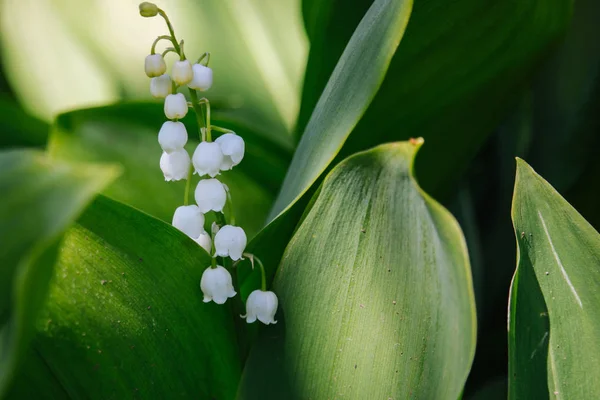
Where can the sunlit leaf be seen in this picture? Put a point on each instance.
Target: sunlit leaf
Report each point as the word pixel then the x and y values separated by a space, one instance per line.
pixel 553 316
pixel 375 292
pixel 125 316
pixel 40 199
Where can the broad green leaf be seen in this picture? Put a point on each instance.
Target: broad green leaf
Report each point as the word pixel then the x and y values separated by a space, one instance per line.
pixel 127 134
pixel 40 199
pixel 94 51
pixel 19 129
pixel 125 317
pixel 375 292
pixel 553 315
pixel 457 71
pixel 348 93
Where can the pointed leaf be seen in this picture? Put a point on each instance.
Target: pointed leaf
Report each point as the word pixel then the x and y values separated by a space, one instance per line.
pixel 375 292
pixel 554 318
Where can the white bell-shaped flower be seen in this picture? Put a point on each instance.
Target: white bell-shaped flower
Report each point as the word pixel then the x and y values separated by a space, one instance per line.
pixel 216 285
pixel 172 136
pixel 232 147
pixel 261 305
pixel 210 195
pixel 204 241
pixel 176 165
pixel 154 65
pixel 207 159
pixel 182 72
pixel 203 77
pixel 161 87
pixel 176 106
pixel 230 241
pixel 189 220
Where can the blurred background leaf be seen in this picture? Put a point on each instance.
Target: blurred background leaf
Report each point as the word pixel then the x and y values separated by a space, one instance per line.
pixel 41 198
pixel 127 134
pixel 125 308
pixel 92 52
pixel 19 129
pixel 354 322
pixel 459 69
pixel 559 255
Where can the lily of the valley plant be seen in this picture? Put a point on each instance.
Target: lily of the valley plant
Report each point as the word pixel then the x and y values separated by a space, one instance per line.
pixel 211 157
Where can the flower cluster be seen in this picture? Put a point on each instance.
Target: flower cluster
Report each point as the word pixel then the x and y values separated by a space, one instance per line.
pixel 209 159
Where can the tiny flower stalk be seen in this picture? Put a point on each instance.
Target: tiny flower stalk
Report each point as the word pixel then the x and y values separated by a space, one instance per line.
pixel 225 242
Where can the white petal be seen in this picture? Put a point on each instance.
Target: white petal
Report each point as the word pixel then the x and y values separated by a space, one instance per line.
pixel 204 241
pixel 172 136
pixel 207 159
pixel 161 87
pixel 230 241
pixel 154 65
pixel 175 166
pixel 189 220
pixel 261 305
pixel 216 284
pixel 210 195
pixel 203 77
pixel 182 72
pixel 233 146
pixel 176 106
pixel 227 163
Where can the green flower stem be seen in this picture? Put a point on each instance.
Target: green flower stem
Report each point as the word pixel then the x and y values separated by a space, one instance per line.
pixel 200 116
pixel 158 39
pixel 219 129
pixel 171 31
pixel 263 275
pixel 202 57
pixel 230 209
pixel 188 185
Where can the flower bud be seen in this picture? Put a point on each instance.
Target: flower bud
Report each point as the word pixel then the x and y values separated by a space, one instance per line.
pixel 148 9
pixel 189 220
pixel 210 195
pixel 232 147
pixel 176 165
pixel 230 241
pixel 161 87
pixel 216 285
pixel 172 136
pixel 261 305
pixel 202 77
pixel 204 241
pixel 176 106
pixel 207 159
pixel 182 72
pixel 154 65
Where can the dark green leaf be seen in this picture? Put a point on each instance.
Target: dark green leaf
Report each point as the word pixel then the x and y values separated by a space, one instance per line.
pixel 553 315
pixel 40 199
pixel 458 69
pixel 125 317
pixel 375 292
pixel 19 129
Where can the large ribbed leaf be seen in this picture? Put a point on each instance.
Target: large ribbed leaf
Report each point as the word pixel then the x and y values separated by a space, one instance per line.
pixel 40 199
pixel 348 93
pixel 125 317
pixel 127 134
pixel 554 318
pixel 375 293
pixel 458 69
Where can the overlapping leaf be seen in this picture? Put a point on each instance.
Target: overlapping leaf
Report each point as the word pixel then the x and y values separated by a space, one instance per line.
pixel 554 319
pixel 355 321
pixel 40 199
pixel 125 316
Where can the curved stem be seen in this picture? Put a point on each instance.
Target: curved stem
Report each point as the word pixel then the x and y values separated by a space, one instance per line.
pixel 169 50
pixel 171 31
pixel 263 281
pixel 199 116
pixel 219 129
pixel 188 184
pixel 230 208
pixel 202 57
pixel 158 39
